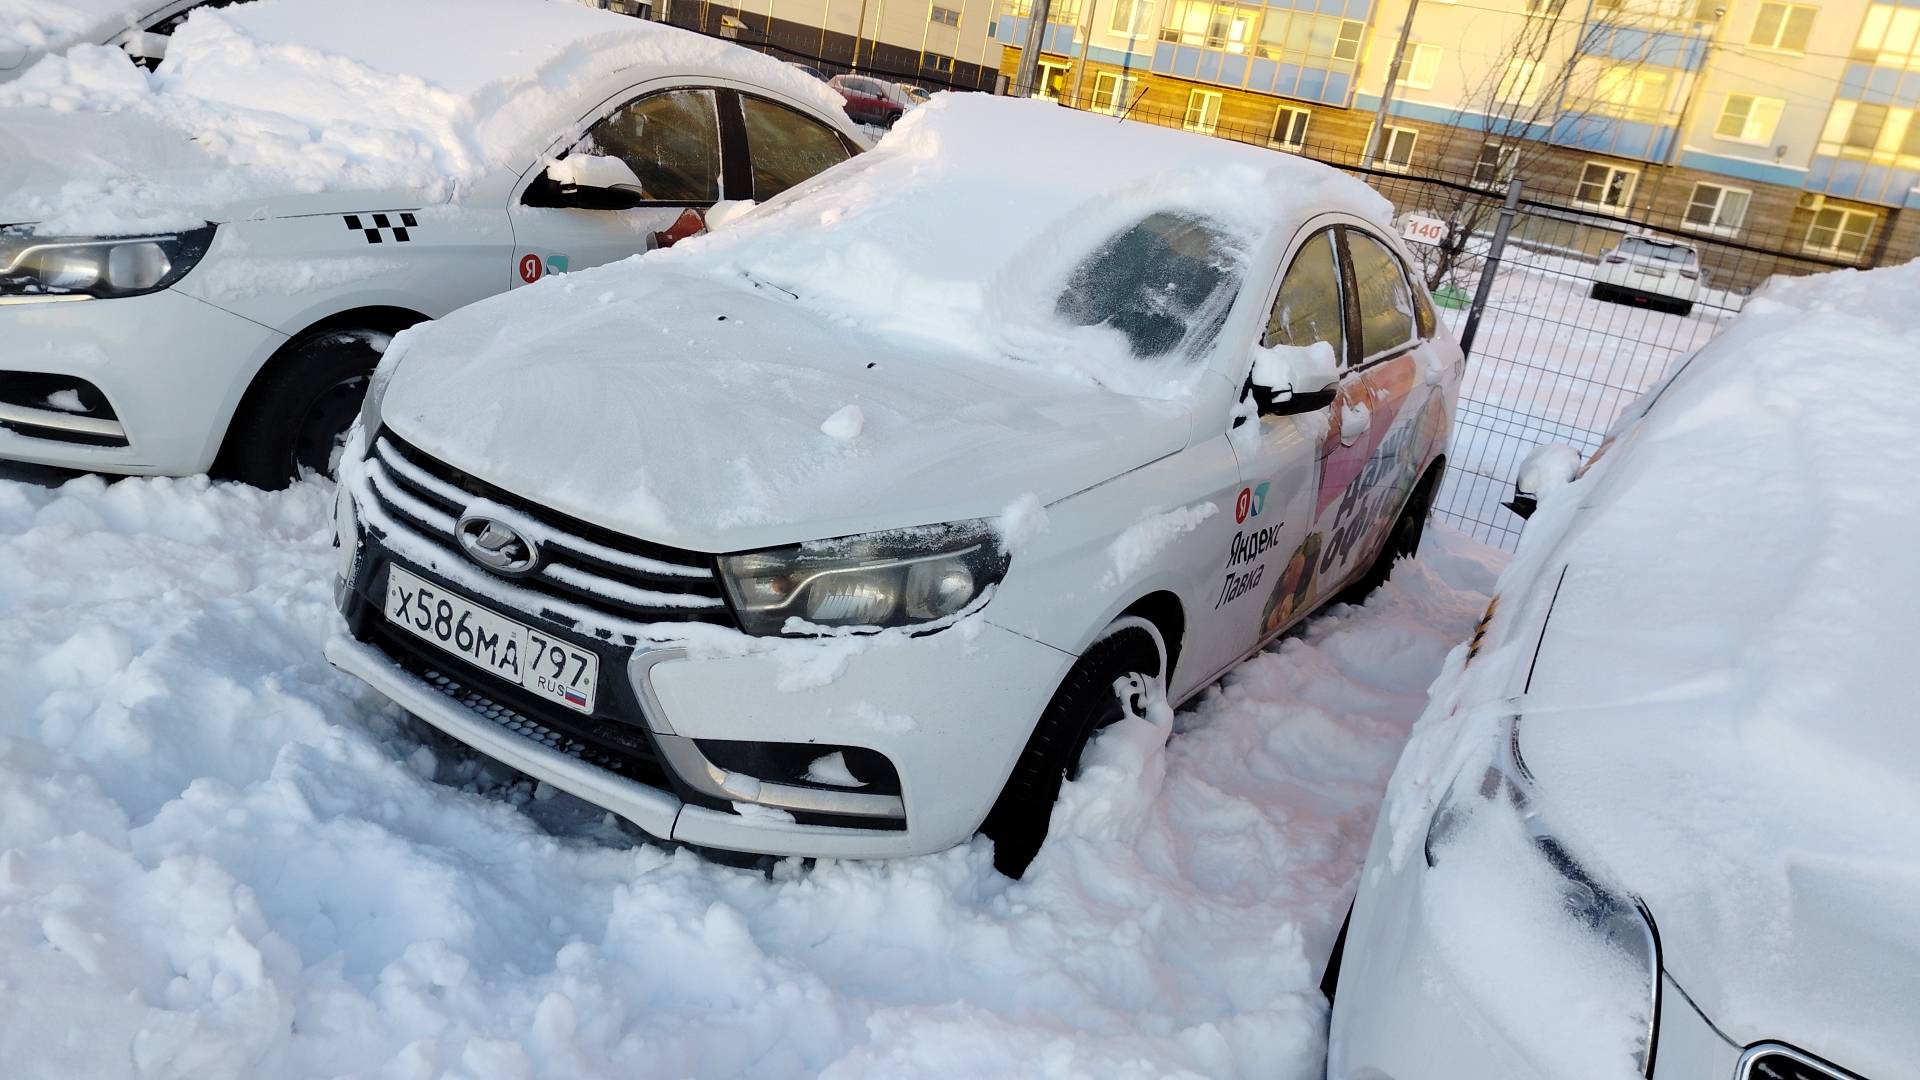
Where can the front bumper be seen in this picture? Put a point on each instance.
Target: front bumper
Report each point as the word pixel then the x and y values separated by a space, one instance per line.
pixel 949 712
pixel 1404 1011
pixel 170 368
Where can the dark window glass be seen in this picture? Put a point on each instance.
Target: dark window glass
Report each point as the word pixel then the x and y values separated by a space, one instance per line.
pixel 670 140
pixel 165 27
pixel 1167 283
pixel 786 147
pixel 1383 295
pixel 1308 308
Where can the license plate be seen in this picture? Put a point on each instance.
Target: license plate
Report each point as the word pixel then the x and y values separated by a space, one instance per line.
pixel 547 666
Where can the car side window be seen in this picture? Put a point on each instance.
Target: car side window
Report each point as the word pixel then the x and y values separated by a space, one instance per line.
pixel 786 147
pixel 1385 299
pixel 671 140
pixel 1309 307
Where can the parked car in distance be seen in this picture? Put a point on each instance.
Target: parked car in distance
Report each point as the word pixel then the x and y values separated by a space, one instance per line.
pixel 33 30
pixel 1650 270
pixel 914 94
pixel 231 313
pixel 870 100
pixel 1661 822
pixel 803 576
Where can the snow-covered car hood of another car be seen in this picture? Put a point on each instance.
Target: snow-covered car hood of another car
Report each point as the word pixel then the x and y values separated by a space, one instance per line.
pixel 30 29
pixel 689 410
pixel 1724 712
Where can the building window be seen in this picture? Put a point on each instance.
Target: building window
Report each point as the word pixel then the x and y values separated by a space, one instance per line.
pixel 1839 232
pixel 1129 17
pixel 1749 119
pixel 1632 92
pixel 1396 148
pixel 1910 143
pixel 1717 209
pixel 1296 37
pixel 1052 76
pixel 1858 129
pixel 1890 37
pixel 1863 130
pixel 1290 128
pixel 1215 26
pixel 937 62
pixel 1782 26
pixel 1112 93
pixel 1605 186
pixel 1545 7
pixel 1203 111
pixel 1421 65
pixel 1496 164
pixel 1519 83
pixel 945 16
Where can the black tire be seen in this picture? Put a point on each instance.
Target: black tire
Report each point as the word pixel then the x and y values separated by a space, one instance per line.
pixel 298 410
pixel 1084 703
pixel 1403 541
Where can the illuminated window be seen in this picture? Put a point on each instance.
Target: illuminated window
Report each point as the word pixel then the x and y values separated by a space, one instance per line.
pixel 1890 37
pixel 1421 65
pixel 1112 94
pixel 1203 111
pixel 1749 119
pixel 1782 26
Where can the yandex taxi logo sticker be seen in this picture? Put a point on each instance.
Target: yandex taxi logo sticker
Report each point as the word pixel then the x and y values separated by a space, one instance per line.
pixel 530 268
pixel 1249 504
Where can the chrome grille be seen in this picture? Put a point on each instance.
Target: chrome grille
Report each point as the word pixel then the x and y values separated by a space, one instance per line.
pixel 582 564
pixel 1776 1061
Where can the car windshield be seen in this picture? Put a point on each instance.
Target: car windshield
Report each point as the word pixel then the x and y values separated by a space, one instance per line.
pixel 1641 248
pixel 1166 283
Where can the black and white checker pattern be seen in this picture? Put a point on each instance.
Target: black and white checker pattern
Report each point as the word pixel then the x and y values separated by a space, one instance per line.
pixel 376 227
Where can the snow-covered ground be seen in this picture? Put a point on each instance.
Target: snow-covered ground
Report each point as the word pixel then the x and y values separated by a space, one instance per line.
pixel 219 858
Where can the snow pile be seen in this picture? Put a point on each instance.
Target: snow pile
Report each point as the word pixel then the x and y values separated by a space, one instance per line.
pixel 420 96
pixel 966 225
pixel 30 26
pixel 1720 714
pixel 221 859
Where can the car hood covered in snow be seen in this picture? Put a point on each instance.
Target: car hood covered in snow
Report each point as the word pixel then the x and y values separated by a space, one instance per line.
pixel 1723 709
pixel 690 411
pixel 286 97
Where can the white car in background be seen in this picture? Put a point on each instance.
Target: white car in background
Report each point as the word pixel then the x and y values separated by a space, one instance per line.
pixel 1650 270
pixel 765 565
pixel 1659 819
pixel 30 29
pixel 199 267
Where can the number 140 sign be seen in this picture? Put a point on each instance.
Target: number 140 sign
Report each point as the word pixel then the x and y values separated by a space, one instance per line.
pixel 1423 230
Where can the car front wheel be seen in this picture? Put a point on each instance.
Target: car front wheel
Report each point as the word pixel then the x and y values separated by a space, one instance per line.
pixel 1110 681
pixel 295 418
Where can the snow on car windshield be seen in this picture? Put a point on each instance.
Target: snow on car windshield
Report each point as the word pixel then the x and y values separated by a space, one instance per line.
pixel 282 97
pixel 1017 231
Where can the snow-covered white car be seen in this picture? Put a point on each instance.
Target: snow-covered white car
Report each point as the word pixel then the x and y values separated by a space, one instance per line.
pixel 30 29
pixel 767 566
pixel 199 266
pixel 1658 820
pixel 1650 270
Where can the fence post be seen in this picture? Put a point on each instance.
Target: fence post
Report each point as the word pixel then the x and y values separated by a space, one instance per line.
pixel 1490 266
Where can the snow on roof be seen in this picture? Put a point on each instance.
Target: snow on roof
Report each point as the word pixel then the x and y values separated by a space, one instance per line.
pixel 967 222
pixel 28 26
pixel 376 95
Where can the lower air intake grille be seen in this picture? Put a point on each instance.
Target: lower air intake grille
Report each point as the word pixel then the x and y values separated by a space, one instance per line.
pixel 1773 1061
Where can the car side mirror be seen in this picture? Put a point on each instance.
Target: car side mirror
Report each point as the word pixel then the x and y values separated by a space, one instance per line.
pixel 1287 379
pixel 587 182
pixel 145 46
pixel 1546 469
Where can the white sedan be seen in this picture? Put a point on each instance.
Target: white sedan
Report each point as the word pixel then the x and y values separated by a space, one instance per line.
pixel 1659 819
pixel 199 268
pixel 835 532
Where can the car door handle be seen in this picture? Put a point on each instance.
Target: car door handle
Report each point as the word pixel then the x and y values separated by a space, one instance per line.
pixel 1354 422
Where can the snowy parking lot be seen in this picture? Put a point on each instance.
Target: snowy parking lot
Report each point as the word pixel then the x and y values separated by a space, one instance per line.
pixel 221 858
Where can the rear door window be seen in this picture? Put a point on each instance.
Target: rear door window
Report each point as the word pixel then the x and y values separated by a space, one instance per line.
pixel 671 140
pixel 1383 296
pixel 787 147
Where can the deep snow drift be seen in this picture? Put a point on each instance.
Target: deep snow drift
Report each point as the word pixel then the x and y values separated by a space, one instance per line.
pixel 218 858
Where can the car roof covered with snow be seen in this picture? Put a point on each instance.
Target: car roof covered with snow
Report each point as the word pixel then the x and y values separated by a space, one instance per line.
pixel 1721 710
pixel 279 97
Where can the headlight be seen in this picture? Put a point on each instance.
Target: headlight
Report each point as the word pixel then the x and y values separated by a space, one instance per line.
pixel 47 267
pixel 875 580
pixel 1620 922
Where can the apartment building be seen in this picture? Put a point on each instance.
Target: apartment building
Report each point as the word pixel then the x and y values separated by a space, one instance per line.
pixel 935 42
pixel 1784 125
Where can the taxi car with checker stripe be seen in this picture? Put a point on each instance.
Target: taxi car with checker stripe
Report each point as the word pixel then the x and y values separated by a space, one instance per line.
pixel 768 569
pixel 210 312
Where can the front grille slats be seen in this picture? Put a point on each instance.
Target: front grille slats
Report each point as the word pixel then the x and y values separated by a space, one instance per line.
pixel 1777 1061
pixel 582 563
